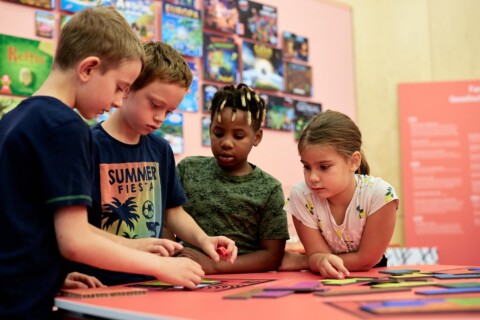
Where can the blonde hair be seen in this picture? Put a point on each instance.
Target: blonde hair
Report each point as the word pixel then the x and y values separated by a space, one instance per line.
pixel 334 129
pixel 163 63
pixel 101 32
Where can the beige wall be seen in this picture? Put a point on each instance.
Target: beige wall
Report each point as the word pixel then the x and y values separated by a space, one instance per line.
pixel 398 41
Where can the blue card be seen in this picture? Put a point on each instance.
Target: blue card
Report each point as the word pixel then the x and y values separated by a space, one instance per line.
pixel 398 272
pixel 457 276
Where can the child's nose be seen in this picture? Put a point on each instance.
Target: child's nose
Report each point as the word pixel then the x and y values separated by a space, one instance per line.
pixel 314 176
pixel 160 117
pixel 226 143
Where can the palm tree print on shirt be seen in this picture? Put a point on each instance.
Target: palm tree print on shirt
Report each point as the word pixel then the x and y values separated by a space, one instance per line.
pixel 116 211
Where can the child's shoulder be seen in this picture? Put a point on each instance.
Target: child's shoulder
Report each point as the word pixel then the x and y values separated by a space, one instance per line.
pixel 195 160
pixel 266 176
pixel 371 181
pixel 44 110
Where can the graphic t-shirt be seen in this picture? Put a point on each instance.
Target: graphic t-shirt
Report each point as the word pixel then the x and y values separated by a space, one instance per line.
pixel 370 195
pixel 133 186
pixel 246 208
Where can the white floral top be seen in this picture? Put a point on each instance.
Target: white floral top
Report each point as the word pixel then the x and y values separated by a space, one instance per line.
pixel 370 195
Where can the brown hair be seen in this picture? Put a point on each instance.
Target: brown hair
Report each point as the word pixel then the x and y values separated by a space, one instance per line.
pixel 335 129
pixel 101 32
pixel 240 97
pixel 163 63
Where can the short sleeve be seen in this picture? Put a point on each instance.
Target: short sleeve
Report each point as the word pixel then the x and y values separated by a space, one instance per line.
pixel 273 224
pixel 383 193
pixel 66 164
pixel 175 192
pixel 301 207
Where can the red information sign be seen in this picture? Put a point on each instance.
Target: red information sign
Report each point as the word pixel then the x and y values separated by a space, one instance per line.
pixel 440 143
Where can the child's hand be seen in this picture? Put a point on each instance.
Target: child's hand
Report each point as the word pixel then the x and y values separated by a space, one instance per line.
pixel 331 266
pixel 208 265
pixel 180 271
pixel 220 248
pixel 161 247
pixel 76 280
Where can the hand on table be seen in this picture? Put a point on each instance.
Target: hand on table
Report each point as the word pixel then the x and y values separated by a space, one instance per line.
pixel 181 271
pixel 331 266
pixel 77 280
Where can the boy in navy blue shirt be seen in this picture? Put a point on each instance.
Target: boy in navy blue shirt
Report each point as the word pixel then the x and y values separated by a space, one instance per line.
pixel 46 171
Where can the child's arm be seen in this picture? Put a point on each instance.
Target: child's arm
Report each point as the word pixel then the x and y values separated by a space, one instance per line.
pixel 375 239
pixel 320 259
pixel 267 258
pixel 162 247
pixel 77 242
pixel 182 224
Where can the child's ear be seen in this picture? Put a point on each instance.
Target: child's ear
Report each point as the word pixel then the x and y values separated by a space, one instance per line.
pixel 258 137
pixel 356 160
pixel 86 66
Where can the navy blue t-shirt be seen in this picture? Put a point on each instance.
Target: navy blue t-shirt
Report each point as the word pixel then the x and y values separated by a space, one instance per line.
pixel 133 185
pixel 45 164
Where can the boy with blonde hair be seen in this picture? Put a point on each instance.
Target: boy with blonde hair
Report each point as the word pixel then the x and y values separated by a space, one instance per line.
pixel 136 188
pixel 46 170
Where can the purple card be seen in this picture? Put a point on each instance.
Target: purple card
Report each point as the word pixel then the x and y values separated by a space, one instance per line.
pixel 304 286
pixel 272 294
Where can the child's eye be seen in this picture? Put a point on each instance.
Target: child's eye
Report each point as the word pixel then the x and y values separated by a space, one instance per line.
pixel 324 167
pixel 306 167
pixel 239 137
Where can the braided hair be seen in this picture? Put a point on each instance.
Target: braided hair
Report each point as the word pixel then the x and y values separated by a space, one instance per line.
pixel 241 97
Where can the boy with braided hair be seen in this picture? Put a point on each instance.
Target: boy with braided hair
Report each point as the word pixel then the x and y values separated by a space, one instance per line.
pixel 229 196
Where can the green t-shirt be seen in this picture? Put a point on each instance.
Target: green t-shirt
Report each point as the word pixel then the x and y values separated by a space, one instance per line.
pixel 246 208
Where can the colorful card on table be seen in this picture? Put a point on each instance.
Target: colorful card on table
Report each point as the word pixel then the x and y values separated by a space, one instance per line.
pixel 359 291
pixel 104 292
pixel 243 295
pixel 415 275
pixel 404 284
pixel 449 291
pixel 459 285
pixel 161 284
pixel 342 282
pixel 304 286
pixel 423 306
pixel 272 294
pixel 398 272
pixel 457 276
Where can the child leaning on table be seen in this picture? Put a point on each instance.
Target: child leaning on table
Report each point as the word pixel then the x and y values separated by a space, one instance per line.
pixel 344 217
pixel 46 170
pixel 229 195
pixel 136 187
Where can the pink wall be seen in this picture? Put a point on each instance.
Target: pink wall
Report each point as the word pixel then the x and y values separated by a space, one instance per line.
pixel 328 27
